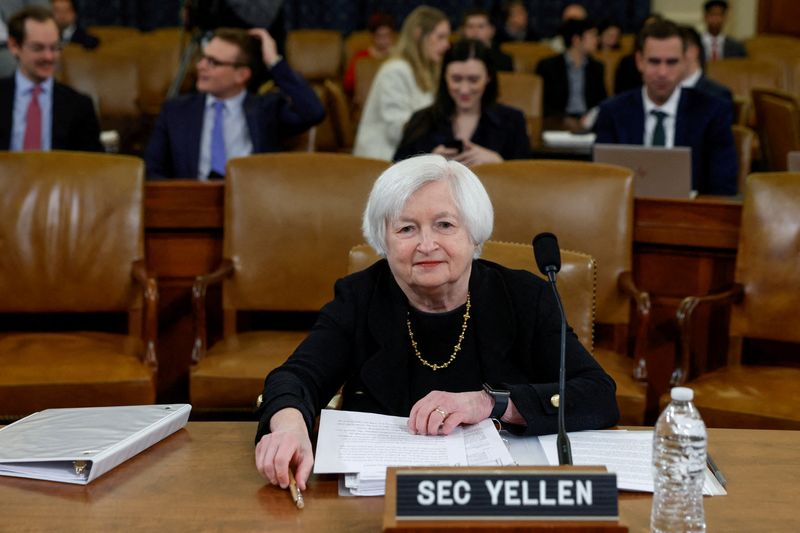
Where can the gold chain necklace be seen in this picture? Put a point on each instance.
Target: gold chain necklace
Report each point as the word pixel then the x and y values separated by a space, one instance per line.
pixel 456 348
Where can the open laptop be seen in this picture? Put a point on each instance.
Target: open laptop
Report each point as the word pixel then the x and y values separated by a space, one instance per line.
pixel 793 162
pixel 658 172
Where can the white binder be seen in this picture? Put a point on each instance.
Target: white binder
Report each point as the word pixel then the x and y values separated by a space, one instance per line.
pixel 78 445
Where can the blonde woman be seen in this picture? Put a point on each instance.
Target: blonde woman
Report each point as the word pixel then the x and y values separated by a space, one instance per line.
pixel 405 82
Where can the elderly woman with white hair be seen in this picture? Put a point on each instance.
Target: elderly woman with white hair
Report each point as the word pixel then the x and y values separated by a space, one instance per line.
pixel 430 332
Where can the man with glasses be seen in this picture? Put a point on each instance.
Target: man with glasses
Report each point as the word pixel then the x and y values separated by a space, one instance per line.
pixel 36 112
pixel 196 134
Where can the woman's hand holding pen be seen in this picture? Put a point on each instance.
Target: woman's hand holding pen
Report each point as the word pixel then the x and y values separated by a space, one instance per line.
pixel 287 444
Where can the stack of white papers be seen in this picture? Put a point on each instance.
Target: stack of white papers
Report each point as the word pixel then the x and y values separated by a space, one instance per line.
pixel 360 446
pixel 566 139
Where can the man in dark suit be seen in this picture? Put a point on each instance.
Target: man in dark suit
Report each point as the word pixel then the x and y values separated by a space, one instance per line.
pixel 694 77
pixel 37 113
pixel 664 114
pixel 477 24
pixel 71 31
pixel 573 82
pixel 717 45
pixel 196 134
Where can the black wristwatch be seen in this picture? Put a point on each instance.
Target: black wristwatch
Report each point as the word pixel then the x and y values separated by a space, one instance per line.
pixel 501 398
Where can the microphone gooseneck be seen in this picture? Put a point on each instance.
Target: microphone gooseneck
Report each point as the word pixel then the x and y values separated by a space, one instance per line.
pixel 548 259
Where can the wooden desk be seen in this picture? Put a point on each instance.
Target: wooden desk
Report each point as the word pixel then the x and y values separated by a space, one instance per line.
pixel 202 478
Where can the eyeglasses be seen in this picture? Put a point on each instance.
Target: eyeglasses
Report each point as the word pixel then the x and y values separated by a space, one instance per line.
pixel 38 48
pixel 214 62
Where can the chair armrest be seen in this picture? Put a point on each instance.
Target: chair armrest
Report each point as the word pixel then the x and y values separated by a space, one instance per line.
pixel 149 311
pixel 685 318
pixel 643 304
pixel 201 284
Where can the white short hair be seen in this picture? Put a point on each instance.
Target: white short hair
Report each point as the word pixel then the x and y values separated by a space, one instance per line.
pixel 393 188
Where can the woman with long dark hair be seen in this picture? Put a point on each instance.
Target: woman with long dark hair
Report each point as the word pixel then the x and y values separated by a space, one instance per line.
pixel 465 122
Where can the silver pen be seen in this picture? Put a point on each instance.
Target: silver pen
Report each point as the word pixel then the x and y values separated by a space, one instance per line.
pixel 716 471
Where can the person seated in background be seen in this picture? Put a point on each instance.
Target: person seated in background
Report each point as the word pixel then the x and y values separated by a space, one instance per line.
pixel 477 24
pixel 570 12
pixel 573 82
pixel 465 122
pixel 37 112
pixel 381 30
pixel 515 26
pixel 694 76
pixel 664 114
pixel 195 135
pixel 71 31
pixel 404 83
pixel 609 33
pixel 431 332
pixel 717 45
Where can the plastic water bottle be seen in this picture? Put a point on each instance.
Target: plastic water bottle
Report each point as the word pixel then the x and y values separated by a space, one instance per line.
pixel 679 462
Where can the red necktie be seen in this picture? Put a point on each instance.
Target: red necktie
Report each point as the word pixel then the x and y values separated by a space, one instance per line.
pixel 33 122
pixel 713 49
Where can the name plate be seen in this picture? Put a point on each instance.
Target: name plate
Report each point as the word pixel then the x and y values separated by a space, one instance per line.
pixel 510 493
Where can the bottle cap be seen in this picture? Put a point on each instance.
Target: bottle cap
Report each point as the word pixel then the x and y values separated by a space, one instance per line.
pixel 682 394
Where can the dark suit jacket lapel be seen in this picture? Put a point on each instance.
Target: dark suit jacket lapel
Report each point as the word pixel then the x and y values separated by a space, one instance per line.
pixel 7 87
pixel 682 120
pixel 637 118
pixel 251 114
pixel 194 128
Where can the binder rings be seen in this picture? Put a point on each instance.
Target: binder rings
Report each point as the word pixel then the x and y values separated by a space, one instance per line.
pixel 79 445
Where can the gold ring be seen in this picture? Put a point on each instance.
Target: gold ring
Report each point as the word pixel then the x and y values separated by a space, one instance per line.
pixel 442 412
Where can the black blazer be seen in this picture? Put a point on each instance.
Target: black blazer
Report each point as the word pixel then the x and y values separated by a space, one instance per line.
pixel 553 71
pixel 501 128
pixel 361 340
pixel 74 124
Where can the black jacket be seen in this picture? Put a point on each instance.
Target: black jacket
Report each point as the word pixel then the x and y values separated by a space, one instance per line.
pixel 74 123
pixel 361 340
pixel 553 71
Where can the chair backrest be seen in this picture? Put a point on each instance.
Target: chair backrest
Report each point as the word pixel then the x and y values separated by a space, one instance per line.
pixel 523 91
pixel 357 40
pixel 111 34
pixel 289 221
pixel 576 280
pixel 158 55
pixel 768 259
pixel 610 60
pixel 315 54
pixel 366 69
pixel 743 140
pixel 335 132
pixel 527 55
pixel 778 118
pixel 71 226
pixel 110 78
pixel 589 206
pixel 741 75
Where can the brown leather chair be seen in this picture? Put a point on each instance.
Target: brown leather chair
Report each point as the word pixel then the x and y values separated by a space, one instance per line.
pixel 589 207
pixel 366 69
pixel 743 140
pixel 357 40
pixel 317 56
pixel 112 81
pixel 112 34
pixel 72 241
pixel 527 55
pixel 764 303
pixel 610 60
pixel 741 76
pixel 289 221
pixel 576 280
pixel 778 118
pixel 523 91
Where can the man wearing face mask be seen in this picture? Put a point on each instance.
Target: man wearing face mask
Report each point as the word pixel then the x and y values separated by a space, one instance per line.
pixel 36 112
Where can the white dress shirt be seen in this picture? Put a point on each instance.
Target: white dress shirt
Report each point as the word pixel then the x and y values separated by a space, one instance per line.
pixel 235 131
pixel 670 107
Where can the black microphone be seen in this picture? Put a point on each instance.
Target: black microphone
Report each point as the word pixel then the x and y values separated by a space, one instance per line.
pixel 548 259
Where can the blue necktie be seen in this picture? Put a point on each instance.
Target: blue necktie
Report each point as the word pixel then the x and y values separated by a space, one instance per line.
pixel 659 135
pixel 218 157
